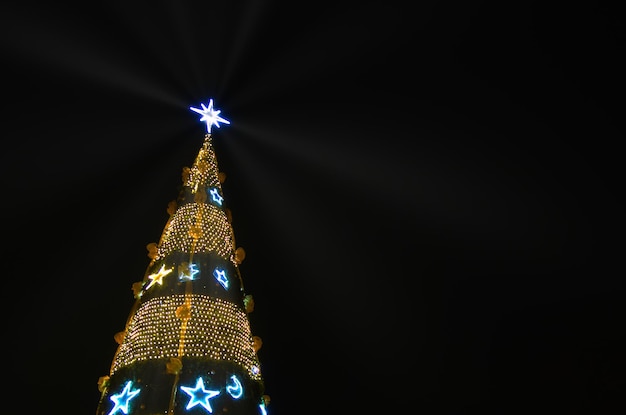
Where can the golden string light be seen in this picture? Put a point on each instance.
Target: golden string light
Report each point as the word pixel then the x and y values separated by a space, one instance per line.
pixel 215 329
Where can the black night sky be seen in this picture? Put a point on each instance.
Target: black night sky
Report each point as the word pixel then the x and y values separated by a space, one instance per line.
pixel 427 194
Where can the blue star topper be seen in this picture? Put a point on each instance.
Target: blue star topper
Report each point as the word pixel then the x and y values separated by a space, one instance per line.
pixel 210 116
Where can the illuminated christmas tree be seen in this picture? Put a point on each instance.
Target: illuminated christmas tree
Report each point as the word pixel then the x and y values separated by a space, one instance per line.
pixel 187 347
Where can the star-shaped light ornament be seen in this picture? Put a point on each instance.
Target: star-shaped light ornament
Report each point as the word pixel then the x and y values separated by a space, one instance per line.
pixel 187 271
pixel 220 276
pixel 199 395
pixel 158 277
pixel 210 115
pixel 123 398
pixel 215 195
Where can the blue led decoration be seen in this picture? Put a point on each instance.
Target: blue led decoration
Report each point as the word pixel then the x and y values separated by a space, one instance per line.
pixel 123 398
pixel 235 391
pixel 210 116
pixel 215 195
pixel 262 408
pixel 187 271
pixel 220 276
pixel 199 395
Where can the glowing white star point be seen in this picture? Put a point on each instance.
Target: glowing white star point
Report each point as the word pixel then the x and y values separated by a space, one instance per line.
pixel 210 115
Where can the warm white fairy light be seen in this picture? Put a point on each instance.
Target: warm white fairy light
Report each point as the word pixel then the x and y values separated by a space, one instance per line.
pixel 204 171
pixel 217 329
pixel 216 233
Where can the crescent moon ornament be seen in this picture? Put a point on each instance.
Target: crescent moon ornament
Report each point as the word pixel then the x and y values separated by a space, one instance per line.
pixel 235 390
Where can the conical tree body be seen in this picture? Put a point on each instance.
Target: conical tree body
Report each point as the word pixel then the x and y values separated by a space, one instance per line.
pixel 187 347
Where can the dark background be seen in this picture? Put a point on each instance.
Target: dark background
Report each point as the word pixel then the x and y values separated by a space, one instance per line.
pixel 427 193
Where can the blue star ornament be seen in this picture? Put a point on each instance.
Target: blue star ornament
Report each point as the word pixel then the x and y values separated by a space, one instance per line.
pixel 123 398
pixel 199 395
pixel 210 115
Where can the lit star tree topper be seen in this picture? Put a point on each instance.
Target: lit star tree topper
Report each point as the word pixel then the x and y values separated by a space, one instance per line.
pixel 210 115
pixel 123 398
